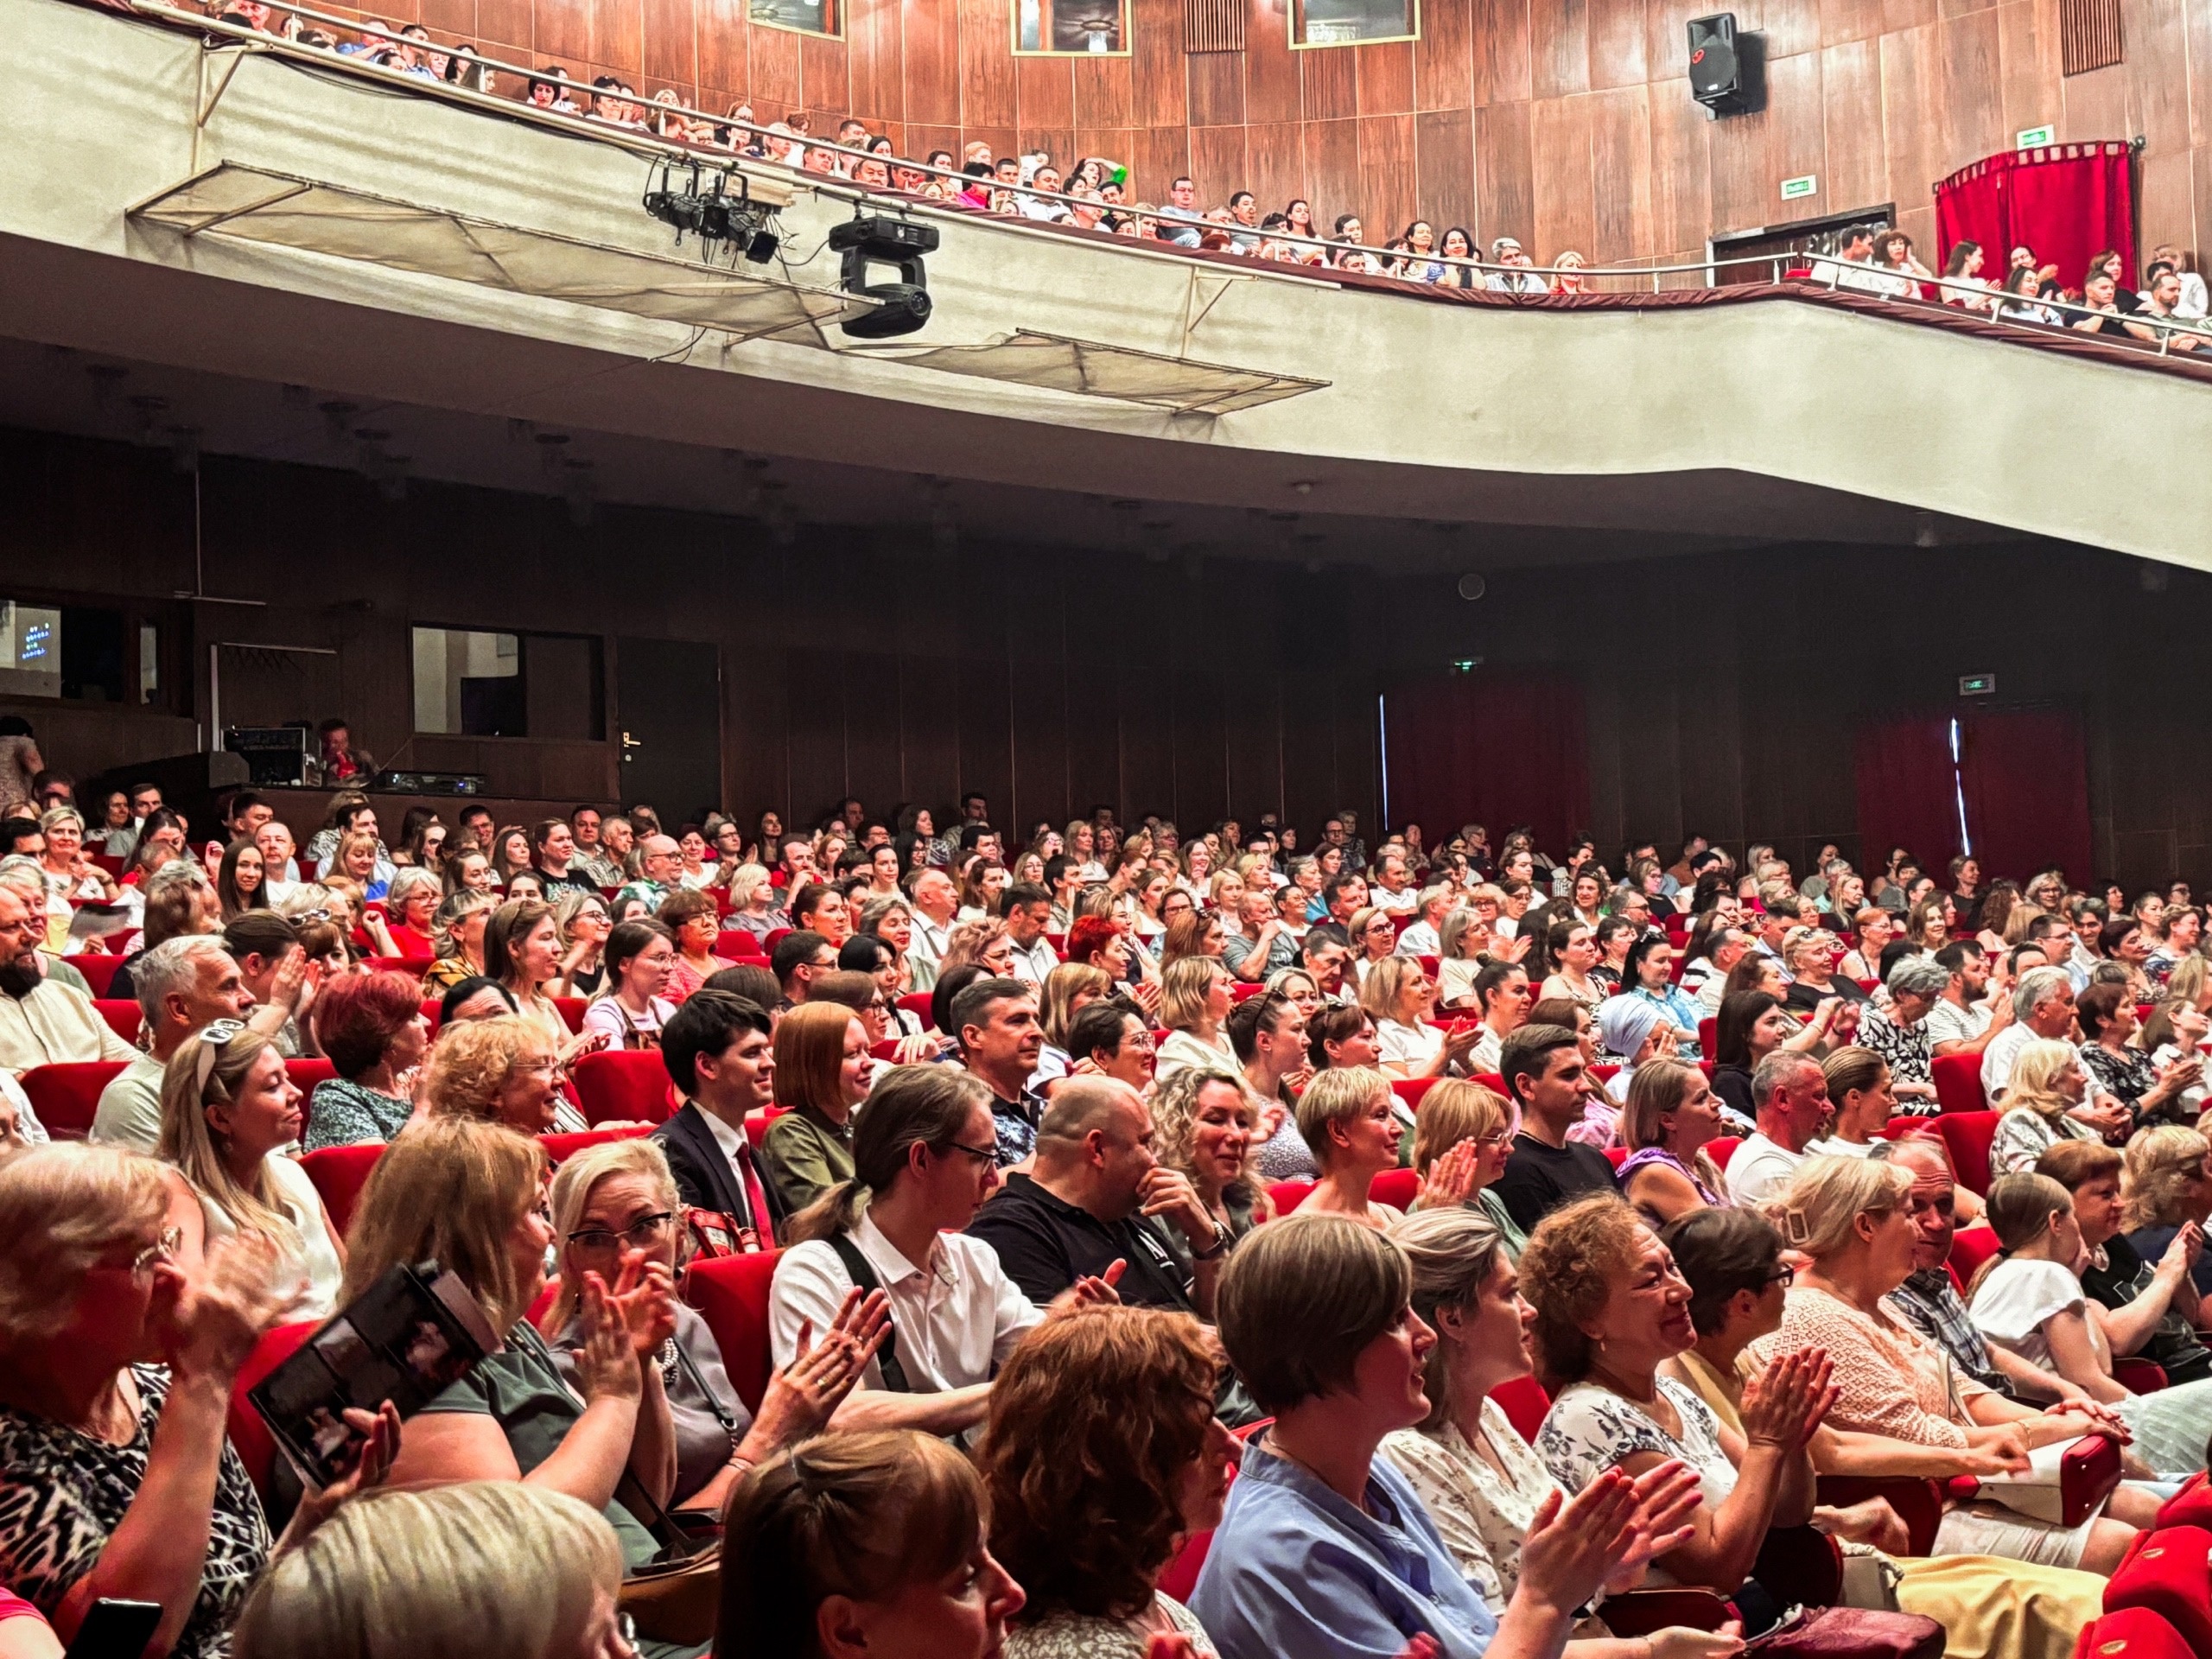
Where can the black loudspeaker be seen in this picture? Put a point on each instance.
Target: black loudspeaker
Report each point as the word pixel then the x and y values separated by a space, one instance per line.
pixel 1717 78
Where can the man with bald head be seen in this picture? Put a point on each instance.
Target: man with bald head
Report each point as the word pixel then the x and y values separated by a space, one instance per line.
pixel 1089 1203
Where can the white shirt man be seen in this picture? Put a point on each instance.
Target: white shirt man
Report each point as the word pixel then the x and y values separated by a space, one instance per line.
pixel 1424 938
pixel 1792 1100
pixel 935 902
pixel 2042 1007
pixel 957 1315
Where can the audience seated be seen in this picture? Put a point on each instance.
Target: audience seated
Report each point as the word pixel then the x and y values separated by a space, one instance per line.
pixel 1349 1118
pixel 1671 1115
pixel 2150 1309
pixel 1102 1429
pixel 2028 1299
pixel 716 1048
pixel 184 985
pixel 920 1172
pixel 1790 1101
pixel 438 1574
pixel 119 1342
pixel 617 1199
pixel 1455 1113
pixel 371 1028
pixel 1205 1125
pixel 1852 1220
pixel 468 1195
pixel 822 1074
pixel 229 1114
pixel 2169 1186
pixel 1548 1079
pixel 1324 1547
pixel 501 1070
pixel 42 1021
pixel 869 1542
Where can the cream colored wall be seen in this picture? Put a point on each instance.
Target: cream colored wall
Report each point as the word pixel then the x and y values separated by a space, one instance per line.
pixel 1432 411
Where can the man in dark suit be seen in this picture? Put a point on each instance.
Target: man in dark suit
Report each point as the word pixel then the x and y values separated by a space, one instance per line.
pixel 716 1048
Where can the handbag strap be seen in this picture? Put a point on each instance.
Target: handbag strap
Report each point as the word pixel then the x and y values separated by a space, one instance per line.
pixel 723 1414
pixel 863 1275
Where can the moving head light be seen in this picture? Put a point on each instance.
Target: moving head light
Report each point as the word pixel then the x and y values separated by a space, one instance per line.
pixel 712 214
pixel 875 238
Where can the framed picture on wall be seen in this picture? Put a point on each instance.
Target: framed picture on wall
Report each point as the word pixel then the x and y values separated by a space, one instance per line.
pixel 1071 29
pixel 803 17
pixel 1353 22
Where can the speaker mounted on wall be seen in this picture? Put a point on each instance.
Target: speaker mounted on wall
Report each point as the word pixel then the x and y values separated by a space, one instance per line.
pixel 1724 66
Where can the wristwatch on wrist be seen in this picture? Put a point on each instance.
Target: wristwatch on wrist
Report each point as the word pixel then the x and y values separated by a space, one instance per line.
pixel 1220 1245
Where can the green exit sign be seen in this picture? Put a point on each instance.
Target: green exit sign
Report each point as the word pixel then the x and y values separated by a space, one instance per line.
pixel 1795 189
pixel 1977 685
pixel 2036 138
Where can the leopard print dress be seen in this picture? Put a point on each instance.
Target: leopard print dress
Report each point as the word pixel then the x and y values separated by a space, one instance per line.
pixel 63 1493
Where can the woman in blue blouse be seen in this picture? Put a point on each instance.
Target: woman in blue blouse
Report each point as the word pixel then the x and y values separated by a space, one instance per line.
pixel 1324 1552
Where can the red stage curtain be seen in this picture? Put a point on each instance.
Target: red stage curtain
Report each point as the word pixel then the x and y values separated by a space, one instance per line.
pixel 2027 788
pixel 2066 202
pixel 1907 792
pixel 1490 749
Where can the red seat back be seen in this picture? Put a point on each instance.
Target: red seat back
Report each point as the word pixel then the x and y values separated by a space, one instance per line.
pixel 776 935
pixel 1708 1037
pixel 624 1086
pixel 2133 1633
pixel 2191 1506
pixel 340 1173
pixel 1286 1196
pixel 737 944
pixel 1967 1136
pixel 572 1012
pixel 431 1013
pixel 1241 991
pixel 1721 1148
pixel 1410 1089
pixel 731 1293
pixel 1970 1248
pixel 1181 1577
pixel 756 1125
pixel 98 971
pixel 1495 1083
pixel 2164 1572
pixel 124 1019
pixel 257 1446
pixel 67 1094
pixel 305 1074
pixel 1524 1404
pixel 1617 1155
pixel 1958 1083
pixel 918 1004
pixel 559 1148
pixel 1396 1187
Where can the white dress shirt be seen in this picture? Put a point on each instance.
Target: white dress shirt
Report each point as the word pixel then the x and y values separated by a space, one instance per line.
pixel 956 1319
pixel 1032 965
pixel 926 949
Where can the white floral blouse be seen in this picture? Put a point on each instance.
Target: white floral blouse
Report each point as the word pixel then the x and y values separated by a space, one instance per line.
pixel 1482 1515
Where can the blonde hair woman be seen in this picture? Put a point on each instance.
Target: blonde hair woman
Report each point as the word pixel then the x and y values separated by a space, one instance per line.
pixel 1670 1115
pixel 1853 1219
pixel 2168 1187
pixel 499 1071
pixel 1455 1113
pixel 435 1575
pixel 457 937
pixel 1194 1002
pixel 1068 990
pixel 227 1110
pixel 1349 1120
pixel 985 941
pixel 2047 1084
pixel 1206 1123
pixel 1401 995
pixel 470 1197
pixel 619 1197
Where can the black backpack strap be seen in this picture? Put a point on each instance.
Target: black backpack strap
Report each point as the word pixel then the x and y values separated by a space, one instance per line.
pixel 863 1275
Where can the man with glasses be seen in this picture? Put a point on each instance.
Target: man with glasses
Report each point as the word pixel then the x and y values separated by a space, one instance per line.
pixel 717 1051
pixel 42 1021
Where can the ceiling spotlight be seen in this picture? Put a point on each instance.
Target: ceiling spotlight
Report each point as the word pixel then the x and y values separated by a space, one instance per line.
pixel 1472 587
pixel 1303 487
pixel 711 214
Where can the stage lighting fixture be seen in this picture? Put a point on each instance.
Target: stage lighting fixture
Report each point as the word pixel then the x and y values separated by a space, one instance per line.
pixel 876 238
pixel 711 214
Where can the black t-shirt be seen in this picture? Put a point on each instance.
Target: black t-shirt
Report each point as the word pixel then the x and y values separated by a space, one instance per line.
pixel 1045 1244
pixel 1803 998
pixel 555 886
pixel 1539 1178
pixel 1733 1085
pixel 2173 1345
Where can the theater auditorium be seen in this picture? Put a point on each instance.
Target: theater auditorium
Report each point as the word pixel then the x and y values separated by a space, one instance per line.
pixel 1105 830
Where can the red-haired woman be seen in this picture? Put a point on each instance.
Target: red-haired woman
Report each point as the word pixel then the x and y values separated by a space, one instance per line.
pixel 372 1027
pixel 1102 941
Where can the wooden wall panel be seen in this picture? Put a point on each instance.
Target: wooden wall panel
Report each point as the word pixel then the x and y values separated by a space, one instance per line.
pixel 1617 43
pixel 617 35
pixel 1331 167
pixel 1444 153
pixel 774 88
pixel 929 744
pixel 1504 177
pixel 1385 73
pixel 987 78
pixel 1851 85
pixel 724 59
pixel 1218 163
pixel 1215 81
pixel 1558 55
pixel 1330 80
pixel 1386 180
pixel 1277 168
pixel 1156 53
pixel 670 52
pixel 1105 92
pixel 563 31
pixel 1620 162
pixel 1201 748
pixel 1273 89
pixel 1501 51
pixel 1559 137
pixel 1444 57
